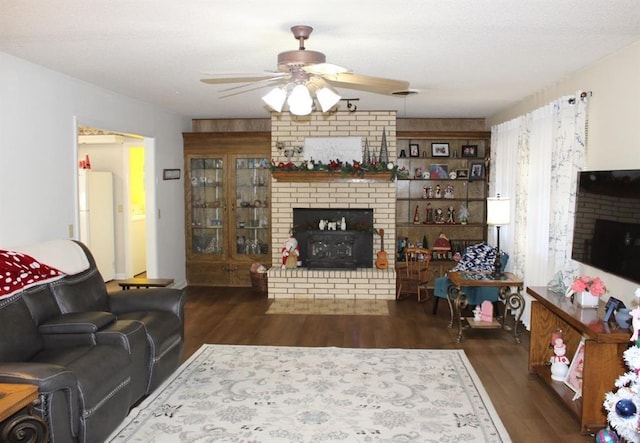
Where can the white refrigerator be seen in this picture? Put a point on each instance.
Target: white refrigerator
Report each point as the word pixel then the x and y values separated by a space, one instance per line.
pixel 97 226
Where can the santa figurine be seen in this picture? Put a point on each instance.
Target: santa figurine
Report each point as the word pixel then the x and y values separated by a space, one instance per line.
pixel 291 253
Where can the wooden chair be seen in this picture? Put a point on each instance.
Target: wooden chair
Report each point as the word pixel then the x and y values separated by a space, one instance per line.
pixel 415 274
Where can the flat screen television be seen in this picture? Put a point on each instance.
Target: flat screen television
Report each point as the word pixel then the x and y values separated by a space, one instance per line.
pixel 606 231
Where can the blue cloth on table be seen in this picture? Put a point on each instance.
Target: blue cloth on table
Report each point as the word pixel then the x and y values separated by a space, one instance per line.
pixel 476 258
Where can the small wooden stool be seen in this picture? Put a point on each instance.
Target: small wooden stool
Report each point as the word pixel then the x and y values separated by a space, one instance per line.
pixel 144 283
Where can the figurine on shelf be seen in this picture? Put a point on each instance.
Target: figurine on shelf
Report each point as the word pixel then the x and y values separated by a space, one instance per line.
pixel 425 192
pixel 439 217
pixel 463 214
pixel 429 218
pixel 449 192
pixel 559 361
pixel 451 214
pixel 438 193
pixel 416 217
pixel 442 243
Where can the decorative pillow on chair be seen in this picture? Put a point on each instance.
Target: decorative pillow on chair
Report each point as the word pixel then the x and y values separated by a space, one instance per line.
pixel 478 257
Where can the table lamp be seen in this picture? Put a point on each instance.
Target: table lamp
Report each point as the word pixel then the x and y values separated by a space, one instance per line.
pixel 498 214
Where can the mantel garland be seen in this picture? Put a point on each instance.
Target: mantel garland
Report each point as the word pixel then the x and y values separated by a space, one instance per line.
pixel 355 168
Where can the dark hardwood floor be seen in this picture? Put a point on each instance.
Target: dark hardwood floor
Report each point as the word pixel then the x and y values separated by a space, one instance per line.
pixel 528 409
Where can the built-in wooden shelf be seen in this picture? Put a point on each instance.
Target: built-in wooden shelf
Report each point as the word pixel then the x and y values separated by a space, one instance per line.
pixel 330 176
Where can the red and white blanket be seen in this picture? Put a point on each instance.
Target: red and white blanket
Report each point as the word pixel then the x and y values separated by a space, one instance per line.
pixel 19 271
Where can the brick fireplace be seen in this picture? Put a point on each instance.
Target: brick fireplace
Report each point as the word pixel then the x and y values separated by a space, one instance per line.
pixel 377 194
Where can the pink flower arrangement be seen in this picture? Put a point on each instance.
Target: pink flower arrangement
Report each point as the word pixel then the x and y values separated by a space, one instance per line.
pixel 591 284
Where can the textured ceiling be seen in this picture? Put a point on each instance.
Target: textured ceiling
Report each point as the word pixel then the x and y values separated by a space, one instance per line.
pixel 468 58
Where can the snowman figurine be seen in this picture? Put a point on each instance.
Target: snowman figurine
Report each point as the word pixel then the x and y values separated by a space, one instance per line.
pixel 559 361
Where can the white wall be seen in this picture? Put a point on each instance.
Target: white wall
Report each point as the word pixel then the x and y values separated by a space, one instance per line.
pixel 614 124
pixel 38 108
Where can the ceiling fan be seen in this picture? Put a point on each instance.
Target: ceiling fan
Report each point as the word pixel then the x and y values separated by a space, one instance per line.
pixel 302 73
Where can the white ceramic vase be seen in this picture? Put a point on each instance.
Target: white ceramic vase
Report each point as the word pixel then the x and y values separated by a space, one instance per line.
pixel 586 299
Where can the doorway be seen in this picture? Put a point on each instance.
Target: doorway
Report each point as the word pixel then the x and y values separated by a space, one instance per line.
pixel 125 158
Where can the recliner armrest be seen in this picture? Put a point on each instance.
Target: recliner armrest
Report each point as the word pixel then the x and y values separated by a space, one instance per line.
pixel 152 299
pixel 77 323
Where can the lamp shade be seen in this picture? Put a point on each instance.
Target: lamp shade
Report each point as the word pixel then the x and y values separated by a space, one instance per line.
pixel 275 99
pixel 327 98
pixel 300 101
pixel 498 211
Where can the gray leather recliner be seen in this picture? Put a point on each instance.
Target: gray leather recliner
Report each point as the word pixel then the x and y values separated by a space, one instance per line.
pixel 93 355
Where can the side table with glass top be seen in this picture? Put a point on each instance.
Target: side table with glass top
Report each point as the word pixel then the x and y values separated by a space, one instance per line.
pixel 513 299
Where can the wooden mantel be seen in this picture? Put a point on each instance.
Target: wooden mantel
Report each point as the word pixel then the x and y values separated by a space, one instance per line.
pixel 330 176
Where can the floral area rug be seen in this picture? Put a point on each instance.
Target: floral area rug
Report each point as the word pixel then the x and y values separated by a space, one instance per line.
pixel 290 394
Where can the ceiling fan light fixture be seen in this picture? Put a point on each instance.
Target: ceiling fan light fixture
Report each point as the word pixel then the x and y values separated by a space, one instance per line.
pixel 327 98
pixel 300 101
pixel 275 99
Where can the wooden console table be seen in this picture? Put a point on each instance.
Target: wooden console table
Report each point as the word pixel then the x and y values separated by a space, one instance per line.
pixel 458 300
pixel 603 362
pixel 17 420
pixel 144 283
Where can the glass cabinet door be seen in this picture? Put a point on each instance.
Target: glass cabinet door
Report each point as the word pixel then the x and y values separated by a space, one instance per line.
pixel 207 205
pixel 252 206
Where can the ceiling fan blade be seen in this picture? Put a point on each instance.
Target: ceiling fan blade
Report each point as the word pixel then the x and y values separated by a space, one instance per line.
pixel 250 87
pixel 366 83
pixel 325 69
pixel 247 87
pixel 241 78
pixel 260 83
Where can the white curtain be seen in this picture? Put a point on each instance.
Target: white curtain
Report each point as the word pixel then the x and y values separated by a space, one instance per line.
pixel 535 162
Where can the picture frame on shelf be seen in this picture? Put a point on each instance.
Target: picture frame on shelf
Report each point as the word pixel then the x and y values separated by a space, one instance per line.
pixel 439 149
pixel 462 174
pixel 613 304
pixel 476 171
pixel 438 171
pixel 414 150
pixel 171 174
pixel 573 379
pixel 469 151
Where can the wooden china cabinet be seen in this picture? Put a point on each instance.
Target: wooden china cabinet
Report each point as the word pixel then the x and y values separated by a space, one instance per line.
pixel 227 206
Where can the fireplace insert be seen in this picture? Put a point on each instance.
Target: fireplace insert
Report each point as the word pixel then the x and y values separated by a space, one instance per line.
pixel 325 245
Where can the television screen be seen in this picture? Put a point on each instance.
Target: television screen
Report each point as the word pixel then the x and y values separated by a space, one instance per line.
pixel 606 231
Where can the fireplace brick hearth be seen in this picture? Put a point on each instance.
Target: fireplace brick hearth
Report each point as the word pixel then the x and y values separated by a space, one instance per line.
pixel 360 283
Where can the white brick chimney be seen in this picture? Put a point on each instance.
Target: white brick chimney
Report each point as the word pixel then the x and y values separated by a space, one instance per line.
pixel 369 283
